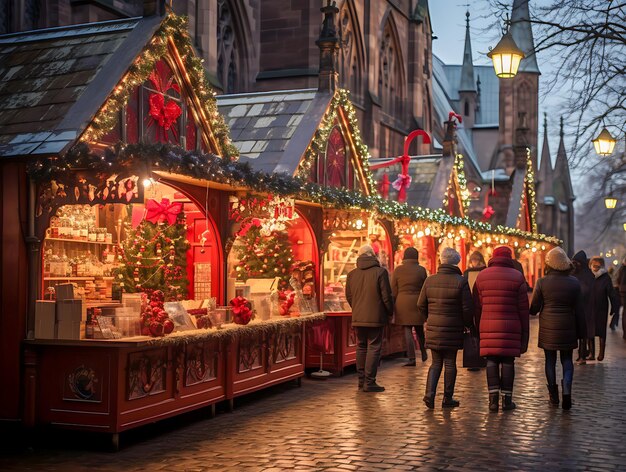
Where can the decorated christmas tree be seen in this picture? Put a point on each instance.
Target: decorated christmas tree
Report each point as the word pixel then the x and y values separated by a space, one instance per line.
pixel 153 256
pixel 264 255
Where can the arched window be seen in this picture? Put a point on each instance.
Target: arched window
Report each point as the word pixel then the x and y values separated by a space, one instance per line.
pixel 391 87
pixel 466 111
pixel 227 48
pixel 334 169
pixel 349 54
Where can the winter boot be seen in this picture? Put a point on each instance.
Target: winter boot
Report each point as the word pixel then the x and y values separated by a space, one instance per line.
pixel 424 354
pixel 431 388
pixel 567 397
pixel 449 402
pixel 507 402
pixel 494 399
pixel 591 353
pixel 554 394
pixel 602 347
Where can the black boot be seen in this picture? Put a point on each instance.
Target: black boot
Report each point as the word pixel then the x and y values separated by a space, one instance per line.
pixel 431 388
pixel 424 354
pixel 494 399
pixel 567 398
pixel 602 347
pixel 554 394
pixel 507 402
pixel 591 353
pixel 449 402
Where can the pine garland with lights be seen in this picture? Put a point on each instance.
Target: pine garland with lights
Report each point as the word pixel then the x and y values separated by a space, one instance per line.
pixel 154 257
pixel 341 99
pixel 123 159
pixel 529 191
pixel 264 257
pixel 174 27
pixel 457 179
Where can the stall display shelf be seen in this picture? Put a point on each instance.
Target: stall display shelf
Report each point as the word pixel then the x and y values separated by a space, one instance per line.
pixel 80 241
pixel 70 278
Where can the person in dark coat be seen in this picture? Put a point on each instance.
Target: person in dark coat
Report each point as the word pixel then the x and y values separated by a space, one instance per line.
pixel 621 287
pixel 446 305
pixel 601 294
pixel 586 279
pixel 501 314
pixel 406 285
pixel 475 265
pixel 557 299
pixel 369 294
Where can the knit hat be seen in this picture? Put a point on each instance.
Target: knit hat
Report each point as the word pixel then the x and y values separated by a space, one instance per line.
pixel 410 253
pixel 503 251
pixel 450 256
pixel 557 259
pixel 367 250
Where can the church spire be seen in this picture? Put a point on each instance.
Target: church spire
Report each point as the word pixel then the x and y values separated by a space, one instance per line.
pixel 522 33
pixel 467 71
pixel 545 168
pixel 561 166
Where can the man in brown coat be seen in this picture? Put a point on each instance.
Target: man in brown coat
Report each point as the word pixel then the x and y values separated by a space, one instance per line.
pixel 369 294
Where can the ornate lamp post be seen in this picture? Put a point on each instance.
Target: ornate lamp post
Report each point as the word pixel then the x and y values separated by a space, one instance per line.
pixel 610 202
pixel 604 143
pixel 506 56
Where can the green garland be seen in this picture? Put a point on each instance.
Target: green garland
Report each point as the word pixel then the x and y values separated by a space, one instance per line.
pixel 341 98
pixel 173 159
pixel 174 27
pixel 529 190
pixel 459 173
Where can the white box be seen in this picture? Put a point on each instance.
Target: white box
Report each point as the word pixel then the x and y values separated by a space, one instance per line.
pixel 45 317
pixel 68 329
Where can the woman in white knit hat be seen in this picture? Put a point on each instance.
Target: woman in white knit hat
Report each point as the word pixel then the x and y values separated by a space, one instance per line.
pixel 557 299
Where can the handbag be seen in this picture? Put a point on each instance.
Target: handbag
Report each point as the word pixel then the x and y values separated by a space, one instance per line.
pixel 471 351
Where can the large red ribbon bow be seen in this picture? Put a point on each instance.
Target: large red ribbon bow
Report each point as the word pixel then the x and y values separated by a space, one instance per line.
pixel 163 113
pixel 164 211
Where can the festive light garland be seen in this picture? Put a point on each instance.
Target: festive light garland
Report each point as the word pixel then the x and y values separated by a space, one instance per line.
pixel 458 176
pixel 529 192
pixel 173 159
pixel 341 99
pixel 174 27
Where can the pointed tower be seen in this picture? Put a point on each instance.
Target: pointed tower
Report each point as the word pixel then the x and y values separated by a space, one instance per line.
pixel 545 198
pixel 467 87
pixel 564 195
pixel 519 96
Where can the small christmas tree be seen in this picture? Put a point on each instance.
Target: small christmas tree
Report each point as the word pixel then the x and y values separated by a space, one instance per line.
pixel 153 257
pixel 264 256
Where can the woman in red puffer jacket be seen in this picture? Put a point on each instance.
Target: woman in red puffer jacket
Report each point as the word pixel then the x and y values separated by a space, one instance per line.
pixel 501 315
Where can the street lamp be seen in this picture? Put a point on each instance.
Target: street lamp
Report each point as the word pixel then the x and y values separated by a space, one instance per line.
pixel 604 143
pixel 624 226
pixel 610 202
pixel 506 56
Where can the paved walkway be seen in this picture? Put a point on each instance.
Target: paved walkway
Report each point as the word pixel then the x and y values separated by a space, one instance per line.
pixel 328 425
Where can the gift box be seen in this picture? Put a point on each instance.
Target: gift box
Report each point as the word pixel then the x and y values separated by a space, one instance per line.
pixel 69 315
pixel 45 318
pixel 64 291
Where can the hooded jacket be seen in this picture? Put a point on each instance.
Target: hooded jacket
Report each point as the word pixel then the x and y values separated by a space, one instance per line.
pixel 601 293
pixel 406 285
pixel 501 309
pixel 586 279
pixel 558 300
pixel 369 294
pixel 446 303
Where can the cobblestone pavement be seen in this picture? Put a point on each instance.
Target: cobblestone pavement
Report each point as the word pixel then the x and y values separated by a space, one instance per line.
pixel 329 425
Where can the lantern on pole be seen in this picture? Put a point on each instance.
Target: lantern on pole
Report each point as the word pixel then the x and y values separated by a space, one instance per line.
pixel 506 56
pixel 610 202
pixel 604 143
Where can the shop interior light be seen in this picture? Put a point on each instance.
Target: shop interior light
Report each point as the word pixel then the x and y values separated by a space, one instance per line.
pixel 604 143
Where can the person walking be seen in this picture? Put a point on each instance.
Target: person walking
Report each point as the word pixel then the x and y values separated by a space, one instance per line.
pixel 586 279
pixel 621 286
pixel 601 294
pixel 501 314
pixel 446 306
pixel 558 301
pixel 369 294
pixel 406 285
pixel 475 265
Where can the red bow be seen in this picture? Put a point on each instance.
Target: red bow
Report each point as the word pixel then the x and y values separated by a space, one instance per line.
pixel 488 212
pixel 164 114
pixel 164 211
pixel 245 227
pixel 401 184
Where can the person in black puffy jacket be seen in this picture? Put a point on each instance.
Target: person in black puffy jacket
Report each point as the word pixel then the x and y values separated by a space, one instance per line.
pixel 586 279
pixel 558 300
pixel 446 304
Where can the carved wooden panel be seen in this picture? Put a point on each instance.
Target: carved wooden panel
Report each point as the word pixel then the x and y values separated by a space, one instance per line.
pixel 83 385
pixel 200 363
pixel 146 373
pixel 250 355
pixel 284 346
